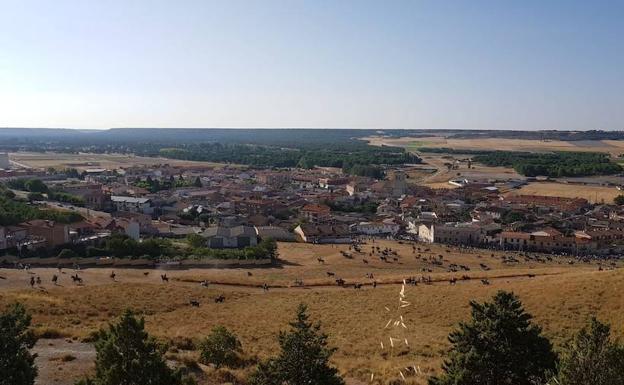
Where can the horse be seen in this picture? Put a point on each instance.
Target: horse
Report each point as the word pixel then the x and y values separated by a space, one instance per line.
pixel 164 278
pixel 54 279
pixel 112 275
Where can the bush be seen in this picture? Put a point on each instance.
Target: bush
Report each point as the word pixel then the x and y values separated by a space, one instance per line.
pixel 592 358
pixel 220 348
pixel 17 365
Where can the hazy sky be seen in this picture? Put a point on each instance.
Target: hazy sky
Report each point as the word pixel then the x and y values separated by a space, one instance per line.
pixel 542 64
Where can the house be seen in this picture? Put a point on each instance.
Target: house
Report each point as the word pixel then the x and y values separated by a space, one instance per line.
pixel 315 212
pixel 132 204
pixel 220 237
pixel 92 194
pixel 324 233
pixel 385 227
pixel 54 233
pixel 274 232
pixel 333 183
pixel 452 233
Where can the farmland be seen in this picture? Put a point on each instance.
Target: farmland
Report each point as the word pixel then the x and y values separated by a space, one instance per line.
pixel 561 295
pixel 85 161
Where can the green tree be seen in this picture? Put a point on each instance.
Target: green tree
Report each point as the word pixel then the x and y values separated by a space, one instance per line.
pixel 619 200
pixel 127 355
pixel 36 186
pixel 499 345
pixel 220 348
pixel 304 357
pixel 17 365
pixel 196 240
pixel 592 358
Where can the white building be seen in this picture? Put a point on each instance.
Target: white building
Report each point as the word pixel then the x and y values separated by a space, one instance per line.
pixel 377 228
pixel 136 205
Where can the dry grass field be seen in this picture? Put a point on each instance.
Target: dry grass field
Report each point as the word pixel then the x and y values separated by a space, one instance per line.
pixel 561 296
pixel 594 194
pixel 614 147
pixel 86 161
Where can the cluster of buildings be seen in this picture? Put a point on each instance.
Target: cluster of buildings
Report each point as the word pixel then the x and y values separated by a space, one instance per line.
pixel 234 207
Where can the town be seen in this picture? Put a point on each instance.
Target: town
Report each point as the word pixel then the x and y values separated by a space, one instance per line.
pixel 237 207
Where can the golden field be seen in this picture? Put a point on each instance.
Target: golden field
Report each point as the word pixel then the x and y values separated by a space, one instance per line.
pixel 561 296
pixel 613 147
pixel 85 161
pixel 594 194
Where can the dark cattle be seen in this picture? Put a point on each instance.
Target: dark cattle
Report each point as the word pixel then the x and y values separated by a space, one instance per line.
pixel 55 279
pixel 330 274
pixel 249 274
pixel 340 282
pixel 322 261
pixel 485 281
pixel 220 299
pixel 194 303
pixel 112 275
pixel 146 273
pixel 453 281
pixel 164 278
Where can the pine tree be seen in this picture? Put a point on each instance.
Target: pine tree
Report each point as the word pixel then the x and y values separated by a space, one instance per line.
pixel 498 346
pixel 17 365
pixel 304 357
pixel 127 355
pixel 592 358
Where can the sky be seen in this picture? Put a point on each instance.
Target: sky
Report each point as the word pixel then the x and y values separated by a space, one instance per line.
pixel 497 64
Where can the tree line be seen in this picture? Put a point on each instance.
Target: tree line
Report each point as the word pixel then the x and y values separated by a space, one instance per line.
pixel 122 246
pixel 14 211
pixel 552 164
pixel 499 344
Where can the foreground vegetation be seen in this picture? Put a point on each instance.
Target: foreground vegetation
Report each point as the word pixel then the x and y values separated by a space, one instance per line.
pixel 499 344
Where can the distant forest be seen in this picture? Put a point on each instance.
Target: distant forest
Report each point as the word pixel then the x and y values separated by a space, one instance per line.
pixel 556 164
pixel 307 148
pixel 303 148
